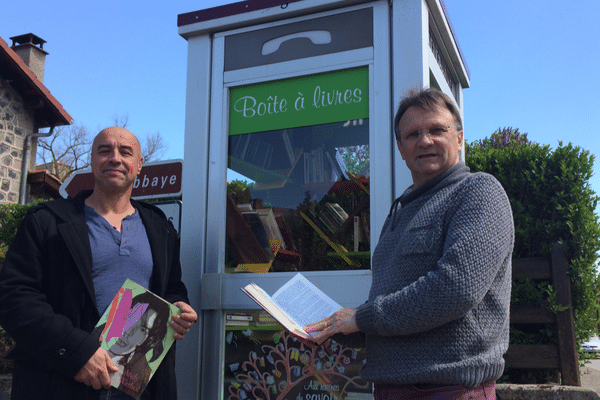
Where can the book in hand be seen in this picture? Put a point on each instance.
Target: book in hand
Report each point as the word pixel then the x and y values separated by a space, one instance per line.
pixel 135 330
pixel 295 305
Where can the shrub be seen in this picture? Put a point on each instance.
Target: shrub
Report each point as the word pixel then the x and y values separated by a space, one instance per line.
pixel 11 216
pixel 552 201
pixel 239 190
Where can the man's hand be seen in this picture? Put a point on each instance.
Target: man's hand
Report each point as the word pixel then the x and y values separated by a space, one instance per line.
pixel 95 372
pixel 182 323
pixel 341 321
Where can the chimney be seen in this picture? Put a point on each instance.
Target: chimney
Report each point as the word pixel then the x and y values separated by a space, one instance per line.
pixel 26 46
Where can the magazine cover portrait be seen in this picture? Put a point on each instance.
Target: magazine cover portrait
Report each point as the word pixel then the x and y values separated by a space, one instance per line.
pixel 137 335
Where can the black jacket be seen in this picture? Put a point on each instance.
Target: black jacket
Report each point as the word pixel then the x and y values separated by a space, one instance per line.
pixel 47 300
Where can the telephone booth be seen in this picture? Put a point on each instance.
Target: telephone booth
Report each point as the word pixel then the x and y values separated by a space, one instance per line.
pixel 291 166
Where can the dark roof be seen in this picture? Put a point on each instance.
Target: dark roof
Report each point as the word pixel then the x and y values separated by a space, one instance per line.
pixel 43 185
pixel 228 10
pixel 36 97
pixel 28 38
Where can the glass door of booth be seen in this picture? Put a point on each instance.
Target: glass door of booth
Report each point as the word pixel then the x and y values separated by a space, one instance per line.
pixel 300 202
pixel 305 128
pixel 298 195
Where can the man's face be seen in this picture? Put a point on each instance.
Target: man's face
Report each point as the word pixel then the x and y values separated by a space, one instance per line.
pixel 116 159
pixel 428 154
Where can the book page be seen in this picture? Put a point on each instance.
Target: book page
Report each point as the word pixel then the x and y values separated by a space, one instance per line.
pixel 265 301
pixel 305 302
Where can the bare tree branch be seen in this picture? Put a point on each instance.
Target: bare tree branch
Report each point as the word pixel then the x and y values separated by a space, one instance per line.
pixel 154 147
pixel 66 151
pixel 120 120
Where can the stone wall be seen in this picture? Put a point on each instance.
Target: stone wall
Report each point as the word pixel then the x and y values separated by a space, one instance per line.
pixel 15 124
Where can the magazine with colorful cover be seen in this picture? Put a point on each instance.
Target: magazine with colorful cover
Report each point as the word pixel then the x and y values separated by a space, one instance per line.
pixel 136 332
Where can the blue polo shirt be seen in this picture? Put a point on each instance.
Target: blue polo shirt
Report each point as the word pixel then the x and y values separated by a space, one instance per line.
pixel 116 255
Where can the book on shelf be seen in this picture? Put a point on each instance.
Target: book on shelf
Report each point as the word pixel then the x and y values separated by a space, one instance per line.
pixel 249 230
pixel 319 220
pixel 287 144
pixel 135 310
pixel 245 207
pixel 337 171
pixel 296 304
pixel 258 229
pixel 237 322
pixel 268 156
pixel 337 213
pixel 252 149
pixel 341 164
pixel 339 249
pixel 328 218
pixel 357 232
pixel 244 243
pixel 239 317
pixel 285 232
pixel 238 145
pixel 319 172
pixel 339 210
pixel 306 161
pixel 267 217
pixel 317 168
pixel 266 318
pixel 266 323
pixel 366 224
pixel 253 319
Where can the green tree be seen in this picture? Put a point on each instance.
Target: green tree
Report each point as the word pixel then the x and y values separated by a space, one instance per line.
pixel 356 158
pixel 11 216
pixel 552 201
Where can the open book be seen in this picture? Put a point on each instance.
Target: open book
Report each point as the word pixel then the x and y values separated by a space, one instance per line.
pixel 295 305
pixel 136 332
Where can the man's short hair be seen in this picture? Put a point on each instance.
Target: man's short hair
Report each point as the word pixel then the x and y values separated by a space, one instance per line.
pixel 428 99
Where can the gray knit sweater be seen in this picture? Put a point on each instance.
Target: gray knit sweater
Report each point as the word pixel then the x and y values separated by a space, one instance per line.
pixel 438 309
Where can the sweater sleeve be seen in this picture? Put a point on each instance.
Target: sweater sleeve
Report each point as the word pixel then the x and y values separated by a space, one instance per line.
pixel 477 249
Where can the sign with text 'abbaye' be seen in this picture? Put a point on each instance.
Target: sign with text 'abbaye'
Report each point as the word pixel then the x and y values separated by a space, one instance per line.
pixel 308 100
pixel 157 179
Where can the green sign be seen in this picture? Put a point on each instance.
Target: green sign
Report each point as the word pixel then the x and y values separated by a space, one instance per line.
pixel 308 100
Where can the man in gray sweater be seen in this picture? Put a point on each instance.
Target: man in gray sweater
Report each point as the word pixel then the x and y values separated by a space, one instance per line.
pixel 437 319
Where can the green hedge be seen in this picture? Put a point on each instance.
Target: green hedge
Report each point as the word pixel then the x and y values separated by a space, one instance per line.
pixel 11 216
pixel 552 201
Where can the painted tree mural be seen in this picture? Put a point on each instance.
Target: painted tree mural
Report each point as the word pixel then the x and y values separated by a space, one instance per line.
pixel 286 368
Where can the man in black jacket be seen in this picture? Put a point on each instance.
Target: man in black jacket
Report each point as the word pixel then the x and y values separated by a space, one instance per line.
pixel 67 261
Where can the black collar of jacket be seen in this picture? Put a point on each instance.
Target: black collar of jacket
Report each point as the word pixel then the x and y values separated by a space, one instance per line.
pixel 64 207
pixel 73 229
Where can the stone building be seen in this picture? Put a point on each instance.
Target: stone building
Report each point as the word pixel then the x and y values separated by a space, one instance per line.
pixel 26 106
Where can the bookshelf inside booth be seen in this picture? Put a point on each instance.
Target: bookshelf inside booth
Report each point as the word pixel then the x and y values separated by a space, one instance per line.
pixel 307 187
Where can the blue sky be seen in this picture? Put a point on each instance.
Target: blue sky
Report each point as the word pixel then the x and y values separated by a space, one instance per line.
pixel 534 65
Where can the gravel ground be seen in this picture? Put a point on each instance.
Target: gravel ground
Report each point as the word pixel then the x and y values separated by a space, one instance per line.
pixel 590 375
